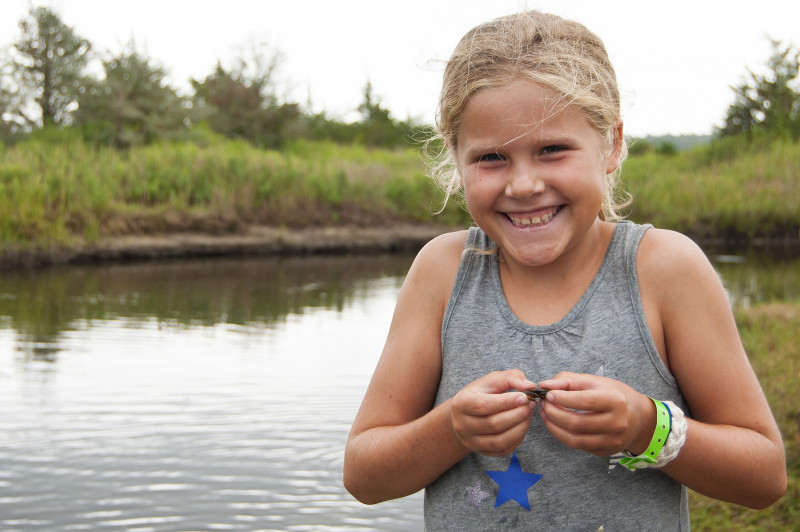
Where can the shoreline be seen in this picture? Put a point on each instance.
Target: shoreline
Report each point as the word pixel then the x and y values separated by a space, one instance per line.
pixel 251 241
pixel 282 241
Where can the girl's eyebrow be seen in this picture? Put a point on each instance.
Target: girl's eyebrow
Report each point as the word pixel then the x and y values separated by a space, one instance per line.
pixel 483 148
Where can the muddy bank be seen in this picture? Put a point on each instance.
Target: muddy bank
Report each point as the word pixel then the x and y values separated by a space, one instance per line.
pixel 266 240
pixel 255 240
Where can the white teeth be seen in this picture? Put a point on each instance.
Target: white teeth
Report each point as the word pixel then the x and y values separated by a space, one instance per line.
pixel 535 220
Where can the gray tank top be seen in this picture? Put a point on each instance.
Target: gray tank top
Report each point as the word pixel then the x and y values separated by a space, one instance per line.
pixel 545 485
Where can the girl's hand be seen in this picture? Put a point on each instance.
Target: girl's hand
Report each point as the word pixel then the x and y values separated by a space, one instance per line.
pixel 487 418
pixel 599 415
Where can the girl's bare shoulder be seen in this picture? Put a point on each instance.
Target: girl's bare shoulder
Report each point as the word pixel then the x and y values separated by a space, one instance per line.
pixel 448 243
pixel 673 265
pixel 439 259
pixel 434 270
pixel 669 253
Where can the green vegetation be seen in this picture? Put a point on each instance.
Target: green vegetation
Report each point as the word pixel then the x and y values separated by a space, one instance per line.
pixel 768 102
pixel 63 192
pixel 771 334
pixel 735 188
pixel 744 183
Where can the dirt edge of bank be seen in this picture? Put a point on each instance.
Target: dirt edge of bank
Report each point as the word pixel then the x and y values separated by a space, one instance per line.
pixel 256 240
pixel 268 240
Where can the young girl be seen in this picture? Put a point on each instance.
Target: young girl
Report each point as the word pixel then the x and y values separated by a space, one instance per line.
pixel 627 326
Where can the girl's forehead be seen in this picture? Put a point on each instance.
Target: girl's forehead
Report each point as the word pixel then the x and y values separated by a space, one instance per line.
pixel 517 99
pixel 518 108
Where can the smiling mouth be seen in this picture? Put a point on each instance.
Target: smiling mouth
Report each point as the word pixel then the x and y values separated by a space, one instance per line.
pixel 529 220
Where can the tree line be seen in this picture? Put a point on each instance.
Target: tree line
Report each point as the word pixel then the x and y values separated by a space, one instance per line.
pixel 768 103
pixel 46 86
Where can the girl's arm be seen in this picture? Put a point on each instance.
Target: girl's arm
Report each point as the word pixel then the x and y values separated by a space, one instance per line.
pixel 733 450
pixel 398 444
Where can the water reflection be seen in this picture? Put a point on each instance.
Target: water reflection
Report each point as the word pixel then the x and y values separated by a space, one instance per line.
pixel 210 394
pixel 41 305
pixel 753 276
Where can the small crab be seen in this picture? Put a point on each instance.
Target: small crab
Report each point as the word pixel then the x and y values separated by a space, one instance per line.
pixel 536 394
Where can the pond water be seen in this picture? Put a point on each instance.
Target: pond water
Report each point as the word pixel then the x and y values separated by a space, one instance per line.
pixel 210 394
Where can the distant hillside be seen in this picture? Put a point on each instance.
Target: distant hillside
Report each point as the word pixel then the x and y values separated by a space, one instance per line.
pixel 680 142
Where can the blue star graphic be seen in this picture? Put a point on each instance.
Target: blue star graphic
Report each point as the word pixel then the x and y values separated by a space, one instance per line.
pixel 513 483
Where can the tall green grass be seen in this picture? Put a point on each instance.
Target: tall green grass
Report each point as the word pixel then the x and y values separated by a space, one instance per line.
pixel 57 193
pixel 64 192
pixel 734 187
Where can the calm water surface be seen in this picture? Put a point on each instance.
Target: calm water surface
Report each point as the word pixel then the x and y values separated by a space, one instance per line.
pixel 209 395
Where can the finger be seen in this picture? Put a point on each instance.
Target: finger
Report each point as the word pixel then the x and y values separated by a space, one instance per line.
pixel 467 426
pixel 503 442
pixel 599 444
pixel 490 394
pixel 576 422
pixel 572 381
pixel 478 404
pixel 592 431
pixel 500 422
pixel 503 381
pixel 598 400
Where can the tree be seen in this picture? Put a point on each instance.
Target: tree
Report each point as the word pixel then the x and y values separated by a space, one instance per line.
pixel 241 102
pixel 378 128
pixel 46 70
pixel 370 109
pixel 133 104
pixel 229 104
pixel 768 102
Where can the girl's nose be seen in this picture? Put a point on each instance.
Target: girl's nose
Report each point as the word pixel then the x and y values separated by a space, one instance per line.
pixel 523 185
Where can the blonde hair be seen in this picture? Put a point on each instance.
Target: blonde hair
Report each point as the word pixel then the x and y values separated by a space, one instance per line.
pixel 561 55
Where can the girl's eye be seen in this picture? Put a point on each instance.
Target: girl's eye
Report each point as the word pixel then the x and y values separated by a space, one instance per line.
pixel 491 158
pixel 552 149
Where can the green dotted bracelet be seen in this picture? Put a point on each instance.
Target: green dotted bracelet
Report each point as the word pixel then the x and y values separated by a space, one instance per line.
pixel 650 455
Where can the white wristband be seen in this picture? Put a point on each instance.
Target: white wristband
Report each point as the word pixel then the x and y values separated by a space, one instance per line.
pixel 676 438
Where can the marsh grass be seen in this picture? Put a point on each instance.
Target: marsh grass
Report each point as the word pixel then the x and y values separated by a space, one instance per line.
pixel 57 193
pixel 64 192
pixel 771 335
pixel 732 187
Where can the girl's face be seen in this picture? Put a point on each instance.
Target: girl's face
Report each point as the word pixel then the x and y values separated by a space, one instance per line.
pixel 533 179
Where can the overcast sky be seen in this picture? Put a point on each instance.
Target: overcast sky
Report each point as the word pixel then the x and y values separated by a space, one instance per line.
pixel 675 61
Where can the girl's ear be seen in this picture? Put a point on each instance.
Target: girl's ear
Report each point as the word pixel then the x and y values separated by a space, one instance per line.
pixel 613 161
